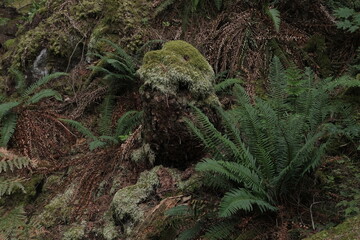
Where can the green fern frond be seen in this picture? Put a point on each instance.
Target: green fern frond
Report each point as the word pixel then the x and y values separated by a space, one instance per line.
pixel 163 6
pixel 7 187
pixel 277 79
pixel 109 139
pixel 7 128
pixel 30 90
pixel 218 4
pixel 191 233
pixel 10 161
pixel 6 107
pixel 127 122
pixel 226 84
pixel 130 61
pixel 44 94
pixel 107 107
pixel 80 128
pixel 220 231
pixel 274 14
pixel 97 144
pixel 12 223
pixel 19 79
pixel 240 199
pixel 181 210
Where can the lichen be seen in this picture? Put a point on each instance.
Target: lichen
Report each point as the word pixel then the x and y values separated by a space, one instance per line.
pixel 178 66
pixel 125 204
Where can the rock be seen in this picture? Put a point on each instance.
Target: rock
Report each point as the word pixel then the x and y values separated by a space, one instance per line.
pixel 125 205
pixel 175 77
pixel 58 210
pixel 75 232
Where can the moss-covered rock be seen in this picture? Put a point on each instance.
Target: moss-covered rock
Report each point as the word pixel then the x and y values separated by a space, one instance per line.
pixel 75 232
pixel 126 202
pixel 58 210
pixel 348 230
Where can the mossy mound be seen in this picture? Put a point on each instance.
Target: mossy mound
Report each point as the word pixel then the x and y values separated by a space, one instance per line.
pixel 178 66
pixel 58 210
pixel 348 230
pixel 125 204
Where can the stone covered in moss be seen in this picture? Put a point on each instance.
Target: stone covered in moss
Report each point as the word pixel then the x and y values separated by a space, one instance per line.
pixel 58 210
pixel 125 204
pixel 75 232
pixel 178 66
pixel 348 230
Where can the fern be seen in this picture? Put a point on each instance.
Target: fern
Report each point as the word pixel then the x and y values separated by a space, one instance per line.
pixel 226 84
pixel 106 113
pixel 30 90
pixel 274 14
pixel 218 4
pixel 127 122
pixel 5 108
pixel 191 233
pixel 44 94
pixel 220 231
pixel 7 129
pixel 7 187
pixel 11 161
pixel 12 223
pixel 19 79
pixel 80 128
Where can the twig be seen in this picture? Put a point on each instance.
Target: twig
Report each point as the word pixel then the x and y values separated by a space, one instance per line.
pixel 311 215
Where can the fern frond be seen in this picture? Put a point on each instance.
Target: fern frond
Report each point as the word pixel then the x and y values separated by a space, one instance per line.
pixel 127 122
pixel 6 107
pixel 7 187
pixel 8 128
pixel 181 210
pixel 190 233
pixel 19 79
pixel 107 107
pixel 240 199
pixel 218 4
pixel 44 94
pixel 9 160
pixel 220 231
pixel 96 144
pixel 109 139
pixel 274 14
pixel 30 90
pixel 12 223
pixel 122 54
pixel 80 128
pixel 277 79
pixel 227 83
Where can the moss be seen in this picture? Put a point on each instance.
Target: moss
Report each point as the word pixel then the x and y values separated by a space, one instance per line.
pixel 58 210
pixel 9 44
pixel 125 204
pixel 348 230
pixel 178 66
pixel 75 232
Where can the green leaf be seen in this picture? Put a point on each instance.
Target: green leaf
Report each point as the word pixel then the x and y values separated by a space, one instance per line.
pixel 81 128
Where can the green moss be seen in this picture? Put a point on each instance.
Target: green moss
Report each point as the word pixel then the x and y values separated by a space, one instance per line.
pixel 125 204
pixel 9 44
pixel 178 66
pixel 58 210
pixel 348 230
pixel 75 232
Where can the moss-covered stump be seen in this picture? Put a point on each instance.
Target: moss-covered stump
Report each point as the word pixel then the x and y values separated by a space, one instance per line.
pixel 174 77
pixel 348 230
